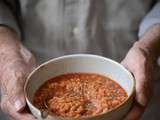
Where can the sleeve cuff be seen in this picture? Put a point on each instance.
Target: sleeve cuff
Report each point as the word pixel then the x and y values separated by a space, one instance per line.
pixel 8 19
pixel 152 18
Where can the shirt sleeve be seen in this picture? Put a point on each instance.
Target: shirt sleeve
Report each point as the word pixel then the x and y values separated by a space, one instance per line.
pixel 7 18
pixel 152 18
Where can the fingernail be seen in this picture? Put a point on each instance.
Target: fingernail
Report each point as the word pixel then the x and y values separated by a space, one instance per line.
pixel 18 105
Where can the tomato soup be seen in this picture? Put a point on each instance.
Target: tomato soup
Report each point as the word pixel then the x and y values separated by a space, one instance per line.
pixel 79 94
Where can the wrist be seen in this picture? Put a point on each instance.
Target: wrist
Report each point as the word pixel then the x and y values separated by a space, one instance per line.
pixel 7 30
pixel 151 40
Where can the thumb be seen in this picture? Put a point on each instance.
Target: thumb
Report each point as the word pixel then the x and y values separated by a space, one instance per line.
pixel 13 77
pixel 18 101
pixel 143 88
pixel 143 76
pixel 12 90
pixel 12 100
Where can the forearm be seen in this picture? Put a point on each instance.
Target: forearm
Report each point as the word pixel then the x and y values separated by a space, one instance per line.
pixel 9 45
pixel 150 41
pixel 149 31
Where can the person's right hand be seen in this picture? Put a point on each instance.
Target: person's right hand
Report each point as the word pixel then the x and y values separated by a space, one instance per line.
pixel 15 63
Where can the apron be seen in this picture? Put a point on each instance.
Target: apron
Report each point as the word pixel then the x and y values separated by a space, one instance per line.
pixel 54 28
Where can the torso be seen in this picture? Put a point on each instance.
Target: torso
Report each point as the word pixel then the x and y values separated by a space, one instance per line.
pixel 104 27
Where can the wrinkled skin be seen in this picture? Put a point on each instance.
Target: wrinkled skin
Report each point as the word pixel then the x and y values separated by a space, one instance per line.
pixel 13 99
pixel 139 62
pixel 16 62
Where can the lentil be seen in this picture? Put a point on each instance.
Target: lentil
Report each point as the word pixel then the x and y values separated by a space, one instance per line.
pixel 79 94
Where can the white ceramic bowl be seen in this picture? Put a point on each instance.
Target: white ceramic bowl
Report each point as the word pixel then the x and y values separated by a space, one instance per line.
pixel 81 63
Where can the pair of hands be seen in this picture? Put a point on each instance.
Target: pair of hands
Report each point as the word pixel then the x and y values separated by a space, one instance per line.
pixel 16 62
pixel 13 102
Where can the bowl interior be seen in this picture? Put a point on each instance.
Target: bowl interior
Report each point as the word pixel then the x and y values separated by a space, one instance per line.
pixel 79 63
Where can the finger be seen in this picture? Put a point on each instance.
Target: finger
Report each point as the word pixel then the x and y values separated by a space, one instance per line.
pixel 17 98
pixel 135 113
pixel 143 76
pixel 18 102
pixel 143 86
pixel 12 89
pixel 14 115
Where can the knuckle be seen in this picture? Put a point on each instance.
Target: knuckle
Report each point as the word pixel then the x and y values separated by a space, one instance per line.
pixel 143 60
pixel 4 107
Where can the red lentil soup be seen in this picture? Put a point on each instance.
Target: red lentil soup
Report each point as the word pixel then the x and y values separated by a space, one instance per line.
pixel 79 94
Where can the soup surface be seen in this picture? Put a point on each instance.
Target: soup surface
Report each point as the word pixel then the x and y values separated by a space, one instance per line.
pixel 79 94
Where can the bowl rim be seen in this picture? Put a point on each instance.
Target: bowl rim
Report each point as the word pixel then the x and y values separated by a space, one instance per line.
pixel 81 55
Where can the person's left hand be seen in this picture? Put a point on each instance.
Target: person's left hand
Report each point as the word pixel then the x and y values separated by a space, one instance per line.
pixel 140 63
